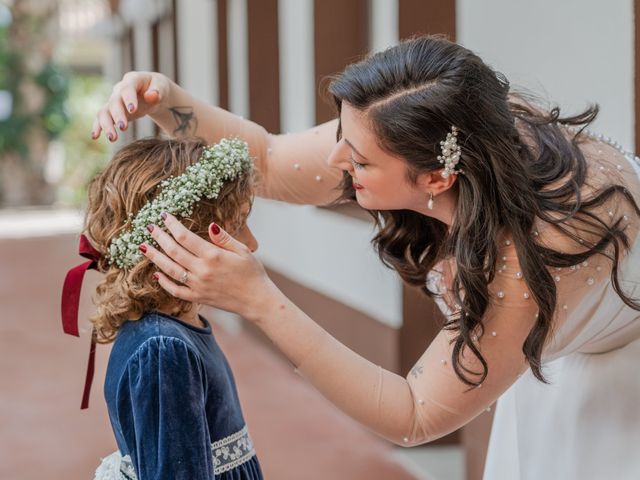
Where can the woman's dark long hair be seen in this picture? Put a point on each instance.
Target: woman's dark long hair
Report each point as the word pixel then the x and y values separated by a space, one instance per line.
pixel 412 95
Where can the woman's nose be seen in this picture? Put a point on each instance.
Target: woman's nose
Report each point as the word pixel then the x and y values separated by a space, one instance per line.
pixel 339 157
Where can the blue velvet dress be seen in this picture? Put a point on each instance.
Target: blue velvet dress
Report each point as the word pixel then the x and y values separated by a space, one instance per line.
pixel 173 404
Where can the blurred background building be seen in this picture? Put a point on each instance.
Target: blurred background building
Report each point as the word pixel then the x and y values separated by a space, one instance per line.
pixel 267 60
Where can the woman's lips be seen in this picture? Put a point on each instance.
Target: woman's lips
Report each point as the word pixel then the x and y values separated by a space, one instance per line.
pixel 357 186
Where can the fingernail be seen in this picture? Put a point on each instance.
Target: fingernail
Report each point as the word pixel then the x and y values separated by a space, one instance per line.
pixel 143 248
pixel 215 228
pixel 156 276
pixel 130 107
pixel 121 125
pixel 163 215
pixel 93 135
pixel 111 137
pixel 150 228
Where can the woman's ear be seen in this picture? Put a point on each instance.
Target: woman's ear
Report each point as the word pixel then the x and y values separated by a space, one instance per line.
pixel 434 182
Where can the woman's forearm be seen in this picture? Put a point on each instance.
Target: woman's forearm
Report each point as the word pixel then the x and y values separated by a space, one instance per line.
pixel 380 400
pixel 293 167
pixel 182 114
pixel 432 401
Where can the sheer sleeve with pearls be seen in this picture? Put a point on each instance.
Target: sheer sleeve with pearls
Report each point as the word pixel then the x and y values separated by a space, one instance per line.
pixel 292 167
pixel 432 401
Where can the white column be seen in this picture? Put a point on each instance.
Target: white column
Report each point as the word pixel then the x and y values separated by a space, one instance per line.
pixel 573 52
pixel 297 72
pixel 238 57
pixel 197 48
pixel 165 47
pixel 384 31
pixel 143 53
pixel 330 253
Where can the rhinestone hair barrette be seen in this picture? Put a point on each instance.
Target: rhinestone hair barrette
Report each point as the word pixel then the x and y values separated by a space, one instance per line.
pixel 450 153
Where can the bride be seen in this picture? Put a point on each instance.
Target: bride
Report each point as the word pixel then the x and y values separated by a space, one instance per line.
pixel 519 221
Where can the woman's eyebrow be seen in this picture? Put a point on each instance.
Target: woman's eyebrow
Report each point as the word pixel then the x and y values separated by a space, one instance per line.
pixel 354 149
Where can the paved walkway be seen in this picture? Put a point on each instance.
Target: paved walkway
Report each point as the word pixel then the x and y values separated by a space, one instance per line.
pixel 43 433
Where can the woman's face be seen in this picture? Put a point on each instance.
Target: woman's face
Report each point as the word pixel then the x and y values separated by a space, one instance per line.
pixel 379 178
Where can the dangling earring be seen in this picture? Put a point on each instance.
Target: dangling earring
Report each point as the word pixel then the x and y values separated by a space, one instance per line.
pixel 430 202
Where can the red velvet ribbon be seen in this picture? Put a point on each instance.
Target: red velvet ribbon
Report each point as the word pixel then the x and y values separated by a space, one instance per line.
pixel 70 303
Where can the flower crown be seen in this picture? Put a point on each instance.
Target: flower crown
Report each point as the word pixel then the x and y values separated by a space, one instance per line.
pixel 450 153
pixel 218 163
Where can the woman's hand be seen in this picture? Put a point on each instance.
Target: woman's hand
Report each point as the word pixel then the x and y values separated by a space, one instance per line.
pixel 225 274
pixel 136 95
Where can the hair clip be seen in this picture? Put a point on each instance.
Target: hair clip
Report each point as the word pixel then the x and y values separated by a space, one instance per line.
pixel 450 153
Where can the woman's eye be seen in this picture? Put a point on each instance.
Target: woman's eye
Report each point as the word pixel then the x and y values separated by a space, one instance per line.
pixel 357 165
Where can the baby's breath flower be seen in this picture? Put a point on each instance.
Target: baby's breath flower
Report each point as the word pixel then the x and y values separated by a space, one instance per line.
pixel 220 162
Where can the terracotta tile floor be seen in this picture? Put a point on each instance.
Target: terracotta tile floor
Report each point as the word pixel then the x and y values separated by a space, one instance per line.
pixel 298 435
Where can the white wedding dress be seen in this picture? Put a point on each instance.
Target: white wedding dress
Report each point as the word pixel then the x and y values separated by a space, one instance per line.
pixel 585 424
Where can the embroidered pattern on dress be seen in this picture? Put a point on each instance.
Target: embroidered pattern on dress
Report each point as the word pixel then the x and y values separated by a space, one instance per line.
pixel 232 451
pixel 228 453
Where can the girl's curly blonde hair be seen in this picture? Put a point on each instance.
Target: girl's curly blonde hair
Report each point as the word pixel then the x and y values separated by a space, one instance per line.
pixel 129 182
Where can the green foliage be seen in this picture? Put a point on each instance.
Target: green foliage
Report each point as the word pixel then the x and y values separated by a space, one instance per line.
pixel 84 157
pixel 54 80
pixel 52 116
pixel 13 129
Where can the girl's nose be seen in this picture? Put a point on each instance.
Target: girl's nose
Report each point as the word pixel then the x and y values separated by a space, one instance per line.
pixel 249 240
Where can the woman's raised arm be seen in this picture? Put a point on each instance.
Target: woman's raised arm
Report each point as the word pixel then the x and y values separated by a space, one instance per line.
pixel 293 167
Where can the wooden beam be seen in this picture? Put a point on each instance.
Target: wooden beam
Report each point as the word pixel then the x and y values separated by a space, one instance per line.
pixel 223 52
pixel 264 71
pixel 427 16
pixel 341 31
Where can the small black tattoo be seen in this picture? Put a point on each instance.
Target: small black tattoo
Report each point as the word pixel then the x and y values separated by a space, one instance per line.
pixel 185 119
pixel 417 370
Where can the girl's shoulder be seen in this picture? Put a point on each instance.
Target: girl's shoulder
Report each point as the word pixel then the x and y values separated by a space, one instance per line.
pixel 154 331
pixel 155 323
pixel 147 346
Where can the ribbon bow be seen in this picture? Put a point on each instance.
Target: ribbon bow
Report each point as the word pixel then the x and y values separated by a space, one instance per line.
pixel 70 303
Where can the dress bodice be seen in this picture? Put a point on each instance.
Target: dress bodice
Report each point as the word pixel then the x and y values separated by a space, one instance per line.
pixel 590 316
pixel 171 396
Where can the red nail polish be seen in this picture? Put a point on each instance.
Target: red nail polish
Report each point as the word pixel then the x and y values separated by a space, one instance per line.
pixel 156 276
pixel 163 215
pixel 150 228
pixel 111 137
pixel 143 248
pixel 215 228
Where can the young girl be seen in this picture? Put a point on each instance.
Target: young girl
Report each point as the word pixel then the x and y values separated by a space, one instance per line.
pixel 170 393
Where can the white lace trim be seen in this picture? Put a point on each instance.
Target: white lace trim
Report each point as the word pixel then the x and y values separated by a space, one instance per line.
pixel 115 467
pixel 232 451
pixel 228 453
